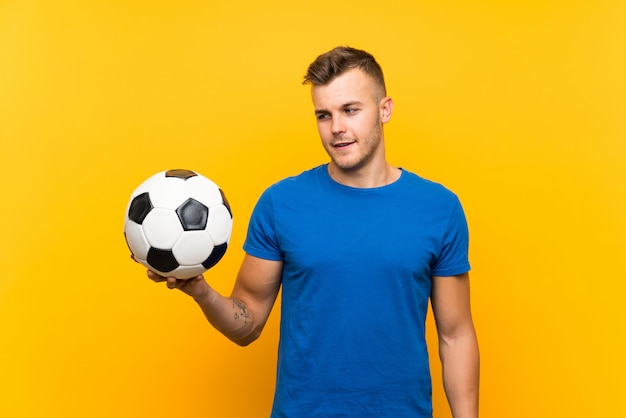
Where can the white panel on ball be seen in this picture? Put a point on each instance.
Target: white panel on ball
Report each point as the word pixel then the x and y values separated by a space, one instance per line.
pixel 169 193
pixel 205 191
pixel 187 272
pixel 162 228
pixel 219 225
pixel 136 240
pixel 193 247
pixel 147 185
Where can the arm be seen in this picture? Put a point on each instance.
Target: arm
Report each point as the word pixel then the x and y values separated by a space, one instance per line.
pixel 242 316
pixel 458 346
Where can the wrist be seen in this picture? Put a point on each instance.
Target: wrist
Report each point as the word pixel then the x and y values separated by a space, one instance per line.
pixel 200 290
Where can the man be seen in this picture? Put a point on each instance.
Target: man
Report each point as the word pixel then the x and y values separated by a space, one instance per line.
pixel 358 247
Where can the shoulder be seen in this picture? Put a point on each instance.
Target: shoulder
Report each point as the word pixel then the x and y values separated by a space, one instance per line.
pixel 429 189
pixel 299 182
pixel 292 191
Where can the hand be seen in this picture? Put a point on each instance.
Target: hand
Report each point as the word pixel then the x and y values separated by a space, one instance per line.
pixel 196 287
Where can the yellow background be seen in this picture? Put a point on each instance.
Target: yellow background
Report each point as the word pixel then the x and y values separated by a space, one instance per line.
pixel 518 106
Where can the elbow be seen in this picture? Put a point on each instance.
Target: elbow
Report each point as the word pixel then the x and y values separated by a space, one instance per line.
pixel 243 342
pixel 465 341
pixel 246 339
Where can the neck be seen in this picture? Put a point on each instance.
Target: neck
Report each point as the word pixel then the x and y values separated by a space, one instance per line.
pixel 365 178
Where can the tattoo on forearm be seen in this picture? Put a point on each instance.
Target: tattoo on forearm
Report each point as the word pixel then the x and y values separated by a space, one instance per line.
pixel 241 311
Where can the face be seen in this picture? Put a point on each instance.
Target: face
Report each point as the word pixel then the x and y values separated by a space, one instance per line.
pixel 350 113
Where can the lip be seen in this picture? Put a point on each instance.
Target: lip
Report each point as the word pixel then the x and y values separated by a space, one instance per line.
pixel 343 144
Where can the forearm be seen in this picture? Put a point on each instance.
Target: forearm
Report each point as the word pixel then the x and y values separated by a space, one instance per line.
pixel 460 362
pixel 229 316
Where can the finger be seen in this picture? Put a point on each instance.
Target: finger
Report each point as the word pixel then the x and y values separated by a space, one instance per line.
pixel 172 282
pixel 155 277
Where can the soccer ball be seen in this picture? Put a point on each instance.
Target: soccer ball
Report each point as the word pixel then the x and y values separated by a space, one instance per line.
pixel 178 223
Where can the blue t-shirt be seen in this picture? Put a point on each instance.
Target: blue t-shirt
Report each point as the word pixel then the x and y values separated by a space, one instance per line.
pixel 356 281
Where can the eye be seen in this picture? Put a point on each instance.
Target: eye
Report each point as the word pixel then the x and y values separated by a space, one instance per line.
pixel 322 116
pixel 351 110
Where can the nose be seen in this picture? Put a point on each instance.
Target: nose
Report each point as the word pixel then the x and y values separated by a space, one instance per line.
pixel 338 125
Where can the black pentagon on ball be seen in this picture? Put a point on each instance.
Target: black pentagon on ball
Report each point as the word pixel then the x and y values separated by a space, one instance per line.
pixel 180 173
pixel 225 201
pixel 193 215
pixel 139 208
pixel 162 260
pixel 216 255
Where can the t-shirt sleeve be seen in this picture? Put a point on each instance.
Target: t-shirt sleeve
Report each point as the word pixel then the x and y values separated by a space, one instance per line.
pixel 453 258
pixel 261 240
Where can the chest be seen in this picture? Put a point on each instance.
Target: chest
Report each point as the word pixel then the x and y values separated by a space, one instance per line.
pixel 367 234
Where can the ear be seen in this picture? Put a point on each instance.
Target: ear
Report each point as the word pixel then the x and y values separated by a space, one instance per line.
pixel 386 109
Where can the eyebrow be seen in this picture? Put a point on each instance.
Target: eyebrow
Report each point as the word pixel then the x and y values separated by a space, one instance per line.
pixel 343 106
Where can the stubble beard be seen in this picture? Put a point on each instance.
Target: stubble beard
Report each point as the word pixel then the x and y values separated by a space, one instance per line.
pixel 367 150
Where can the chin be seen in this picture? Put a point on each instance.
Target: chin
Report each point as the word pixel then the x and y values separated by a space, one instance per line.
pixel 347 165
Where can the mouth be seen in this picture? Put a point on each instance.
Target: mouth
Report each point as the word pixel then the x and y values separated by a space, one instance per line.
pixel 342 144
